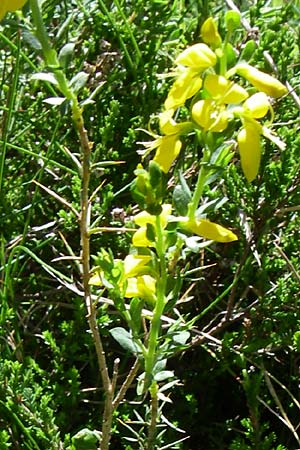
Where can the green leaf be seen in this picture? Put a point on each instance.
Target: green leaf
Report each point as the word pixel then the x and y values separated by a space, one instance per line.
pixel 79 81
pixel 125 339
pixel 230 54
pixel 155 174
pixel 150 232
pixel 182 196
pixel 164 375
pixel 31 40
pixel 296 341
pixel 248 51
pixel 65 55
pixel 136 306
pixel 86 439
pixel 54 101
pixel 45 76
pixel 181 338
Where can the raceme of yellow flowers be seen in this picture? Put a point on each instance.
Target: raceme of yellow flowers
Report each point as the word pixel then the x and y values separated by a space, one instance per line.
pixel 219 102
pixel 10 6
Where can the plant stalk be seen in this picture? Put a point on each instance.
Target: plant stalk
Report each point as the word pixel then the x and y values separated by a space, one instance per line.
pixel 151 355
pixel 85 173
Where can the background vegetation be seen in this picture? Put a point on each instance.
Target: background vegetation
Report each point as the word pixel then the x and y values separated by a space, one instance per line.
pixel 240 381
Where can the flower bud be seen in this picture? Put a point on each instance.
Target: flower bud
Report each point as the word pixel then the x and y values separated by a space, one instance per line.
pixel 250 150
pixel 261 80
pixel 209 230
pixel 209 33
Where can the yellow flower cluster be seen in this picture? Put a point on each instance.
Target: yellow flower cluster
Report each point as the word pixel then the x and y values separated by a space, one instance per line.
pixel 219 102
pixel 135 280
pixel 10 6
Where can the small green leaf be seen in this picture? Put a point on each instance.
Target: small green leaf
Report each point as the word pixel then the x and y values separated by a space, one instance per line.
pixel 136 306
pixel 248 51
pixel 44 76
pixel 31 40
pixel 164 375
pixel 182 196
pixel 230 54
pixel 155 174
pixel 65 55
pixel 296 341
pixel 124 338
pixel 86 439
pixel 181 338
pixel 54 101
pixel 150 232
pixel 79 81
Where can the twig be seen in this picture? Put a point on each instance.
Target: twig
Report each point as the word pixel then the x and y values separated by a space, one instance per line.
pixel 57 197
pixel 127 383
pixel 284 418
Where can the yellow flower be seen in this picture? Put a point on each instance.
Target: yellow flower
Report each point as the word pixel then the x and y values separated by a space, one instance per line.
pixel 257 106
pixel 209 115
pixel 167 151
pixel 261 80
pixel 143 286
pixel 195 60
pixel 10 6
pixel 187 84
pixel 223 90
pixel 250 150
pixel 209 33
pixel 135 264
pixel 139 239
pixel 198 57
pixel 168 147
pixel 208 230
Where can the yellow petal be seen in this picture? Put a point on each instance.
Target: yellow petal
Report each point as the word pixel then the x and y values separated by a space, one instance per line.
pixel 134 264
pixel 143 217
pixel 261 80
pixel 10 5
pixel 235 94
pixel 184 87
pixel 224 90
pixel 139 239
pixel 143 287
pixel 210 116
pixel 198 56
pixel 250 150
pixel 201 113
pixel 96 279
pixel 209 33
pixel 169 126
pixel 167 151
pixel 209 230
pixel 258 105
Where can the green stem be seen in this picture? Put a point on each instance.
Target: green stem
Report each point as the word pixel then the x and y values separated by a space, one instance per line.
pixel 199 185
pixel 154 415
pixel 50 56
pixel 223 59
pixel 151 356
